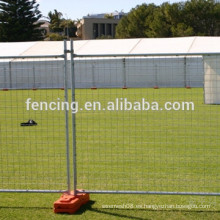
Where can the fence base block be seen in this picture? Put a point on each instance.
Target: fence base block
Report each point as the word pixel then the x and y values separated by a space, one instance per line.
pixel 69 203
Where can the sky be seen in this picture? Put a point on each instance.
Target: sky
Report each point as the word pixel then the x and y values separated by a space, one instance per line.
pixel 77 9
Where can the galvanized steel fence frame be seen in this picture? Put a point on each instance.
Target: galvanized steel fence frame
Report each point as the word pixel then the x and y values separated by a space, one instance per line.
pixel 64 64
pixel 123 56
pixel 71 172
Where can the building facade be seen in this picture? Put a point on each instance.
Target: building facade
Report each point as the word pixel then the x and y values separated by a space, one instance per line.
pixel 98 26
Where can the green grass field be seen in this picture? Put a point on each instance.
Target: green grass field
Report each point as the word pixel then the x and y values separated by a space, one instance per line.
pixel 116 150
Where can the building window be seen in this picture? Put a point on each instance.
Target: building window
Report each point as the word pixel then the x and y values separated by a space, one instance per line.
pixel 102 29
pixel 109 30
pixel 114 29
pixel 95 31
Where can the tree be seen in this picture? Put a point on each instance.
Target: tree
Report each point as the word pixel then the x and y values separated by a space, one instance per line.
pixel 217 18
pixel 182 30
pixel 109 16
pixel 158 26
pixel 18 21
pixel 201 16
pixel 69 27
pixel 55 21
pixel 174 15
pixel 56 37
pixel 135 24
pixel 60 25
pixel 193 17
pixel 122 28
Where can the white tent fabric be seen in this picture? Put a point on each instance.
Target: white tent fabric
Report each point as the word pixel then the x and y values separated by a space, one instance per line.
pixel 108 72
pixel 212 79
pixel 14 49
pixel 118 46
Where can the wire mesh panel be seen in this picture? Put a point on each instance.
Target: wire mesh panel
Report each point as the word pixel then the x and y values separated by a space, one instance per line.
pixel 32 157
pixel 156 136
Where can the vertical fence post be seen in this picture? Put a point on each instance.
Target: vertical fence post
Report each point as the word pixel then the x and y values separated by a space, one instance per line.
pixel 10 76
pixel 93 77
pixel 72 202
pixel 5 79
pixel 73 117
pixel 66 116
pixel 34 84
pixel 185 83
pixel 156 77
pixel 124 75
pixel 186 79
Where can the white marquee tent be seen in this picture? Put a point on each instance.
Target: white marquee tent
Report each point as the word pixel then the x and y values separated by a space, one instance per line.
pixel 120 46
pixel 166 70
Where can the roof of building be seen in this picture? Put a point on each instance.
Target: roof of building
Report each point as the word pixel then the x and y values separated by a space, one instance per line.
pixel 116 15
pixel 116 46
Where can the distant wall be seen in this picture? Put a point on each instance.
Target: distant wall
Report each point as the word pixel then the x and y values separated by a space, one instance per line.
pixel 105 73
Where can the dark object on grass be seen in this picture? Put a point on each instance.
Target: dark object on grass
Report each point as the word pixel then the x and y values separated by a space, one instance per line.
pixel 29 123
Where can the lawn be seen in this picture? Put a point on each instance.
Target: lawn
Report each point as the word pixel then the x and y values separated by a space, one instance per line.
pixel 169 151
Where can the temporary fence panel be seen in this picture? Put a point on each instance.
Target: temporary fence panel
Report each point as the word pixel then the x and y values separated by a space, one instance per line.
pixel 32 74
pixel 150 72
pixel 194 71
pixel 99 72
pixel 32 158
pixel 136 140
pixel 143 140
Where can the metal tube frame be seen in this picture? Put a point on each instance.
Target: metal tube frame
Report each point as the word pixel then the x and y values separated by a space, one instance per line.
pixel 93 76
pixel 67 118
pixel 148 192
pixel 64 56
pixel 34 75
pixel 185 77
pixel 33 57
pixel 5 78
pixel 10 74
pixel 73 118
pixel 124 74
pixel 31 191
pixel 147 55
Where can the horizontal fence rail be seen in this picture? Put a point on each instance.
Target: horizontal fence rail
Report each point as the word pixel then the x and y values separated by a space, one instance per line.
pixel 148 192
pixel 33 57
pixel 147 55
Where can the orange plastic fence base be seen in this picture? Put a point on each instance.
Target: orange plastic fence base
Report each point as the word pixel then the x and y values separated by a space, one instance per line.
pixel 93 88
pixel 188 87
pixel 156 87
pixel 124 87
pixel 69 203
pixel 4 89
